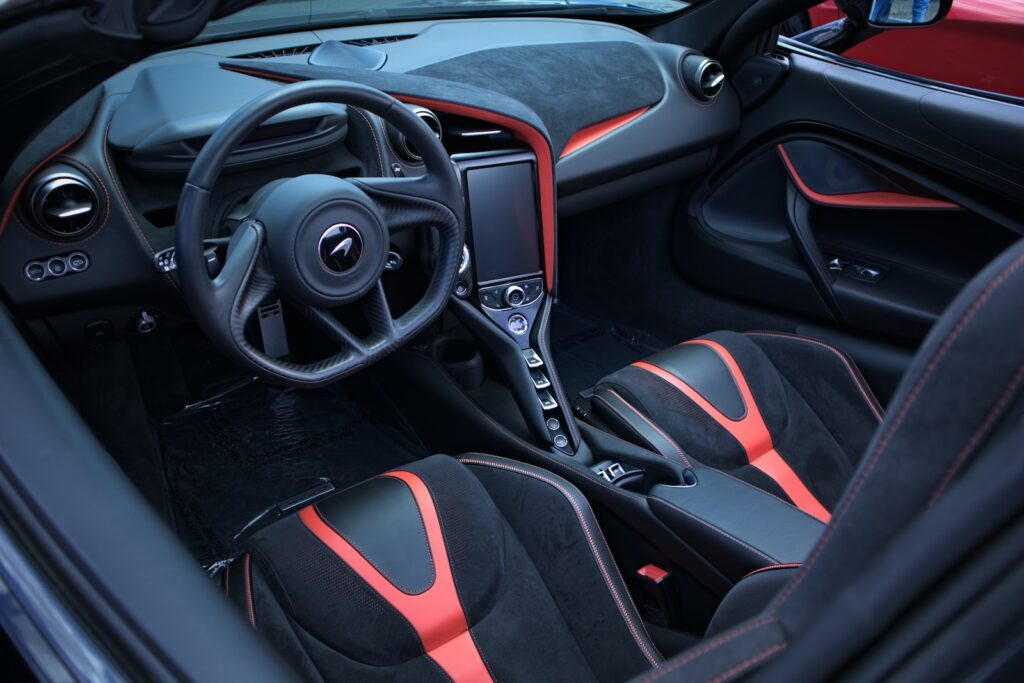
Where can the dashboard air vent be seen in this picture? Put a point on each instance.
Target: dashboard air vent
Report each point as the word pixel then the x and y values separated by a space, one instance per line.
pixel 64 203
pixel 404 145
pixel 379 40
pixel 279 52
pixel 702 76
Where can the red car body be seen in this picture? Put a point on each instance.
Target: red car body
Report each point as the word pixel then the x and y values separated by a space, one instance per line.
pixel 980 44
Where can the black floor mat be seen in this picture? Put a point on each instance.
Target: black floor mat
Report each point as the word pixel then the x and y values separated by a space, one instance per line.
pixel 230 458
pixel 586 348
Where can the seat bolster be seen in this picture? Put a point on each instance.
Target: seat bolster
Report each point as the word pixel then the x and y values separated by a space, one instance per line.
pixel 750 596
pixel 557 527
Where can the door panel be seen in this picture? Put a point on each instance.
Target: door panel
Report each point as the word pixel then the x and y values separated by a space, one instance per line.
pixel 858 198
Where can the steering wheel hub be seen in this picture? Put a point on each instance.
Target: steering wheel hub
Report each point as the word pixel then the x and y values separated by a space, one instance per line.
pixel 326 239
pixel 341 247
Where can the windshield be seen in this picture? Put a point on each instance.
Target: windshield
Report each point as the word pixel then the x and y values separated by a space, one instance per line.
pixel 295 15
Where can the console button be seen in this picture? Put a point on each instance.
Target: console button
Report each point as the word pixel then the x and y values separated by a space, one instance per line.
pixel 532 359
pixel 553 424
pixel 518 324
pixel 561 441
pixel 489 298
pixel 57 267
pixel 539 379
pixel 533 289
pixel 35 272
pixel 78 261
pixel 515 296
pixel 547 401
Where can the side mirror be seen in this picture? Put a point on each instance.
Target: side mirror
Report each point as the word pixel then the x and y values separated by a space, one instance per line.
pixel 907 13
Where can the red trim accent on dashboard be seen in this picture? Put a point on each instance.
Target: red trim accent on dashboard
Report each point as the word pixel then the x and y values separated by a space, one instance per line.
pixel 863 200
pixel 9 211
pixel 524 131
pixel 435 614
pixel 592 134
pixel 545 166
pixel 750 431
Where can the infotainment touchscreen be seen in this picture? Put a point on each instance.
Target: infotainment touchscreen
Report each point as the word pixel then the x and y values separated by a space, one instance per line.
pixel 504 220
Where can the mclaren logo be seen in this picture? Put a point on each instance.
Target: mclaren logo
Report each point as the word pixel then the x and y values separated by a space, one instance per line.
pixel 340 248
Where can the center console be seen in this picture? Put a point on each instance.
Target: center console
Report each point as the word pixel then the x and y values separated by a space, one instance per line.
pixel 503 285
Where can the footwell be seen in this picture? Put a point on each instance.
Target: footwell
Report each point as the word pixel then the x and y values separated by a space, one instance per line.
pixel 232 460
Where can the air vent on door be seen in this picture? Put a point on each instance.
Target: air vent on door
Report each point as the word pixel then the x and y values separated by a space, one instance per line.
pixel 702 76
pixel 64 202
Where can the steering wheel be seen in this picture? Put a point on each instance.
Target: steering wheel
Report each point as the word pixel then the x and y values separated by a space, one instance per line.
pixel 319 240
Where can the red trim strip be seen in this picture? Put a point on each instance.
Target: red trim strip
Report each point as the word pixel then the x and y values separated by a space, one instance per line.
pixel 545 166
pixel 524 131
pixel 9 211
pixel 750 430
pixel 436 614
pixel 592 134
pixel 863 200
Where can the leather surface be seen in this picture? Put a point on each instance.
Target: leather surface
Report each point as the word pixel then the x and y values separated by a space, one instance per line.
pixel 740 526
pixel 703 369
pixel 381 520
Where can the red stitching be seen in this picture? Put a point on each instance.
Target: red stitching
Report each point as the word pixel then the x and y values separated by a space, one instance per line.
pixel 650 424
pixel 772 567
pixel 710 645
pixel 858 378
pixel 742 666
pixel 250 603
pixel 127 208
pixel 979 433
pixel 620 603
pixel 376 142
pixel 883 443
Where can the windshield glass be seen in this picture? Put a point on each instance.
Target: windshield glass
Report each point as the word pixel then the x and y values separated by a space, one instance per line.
pixel 295 15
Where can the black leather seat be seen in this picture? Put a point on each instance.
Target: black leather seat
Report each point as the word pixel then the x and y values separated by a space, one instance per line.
pixel 788 414
pixel 488 569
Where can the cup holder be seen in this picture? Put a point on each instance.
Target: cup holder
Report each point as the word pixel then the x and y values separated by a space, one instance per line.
pixel 462 359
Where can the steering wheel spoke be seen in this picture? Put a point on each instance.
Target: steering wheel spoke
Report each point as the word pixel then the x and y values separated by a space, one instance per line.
pixel 408 202
pixel 378 312
pixel 335 330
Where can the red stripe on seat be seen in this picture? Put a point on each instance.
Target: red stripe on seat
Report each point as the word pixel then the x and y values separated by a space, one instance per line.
pixel 750 430
pixel 436 614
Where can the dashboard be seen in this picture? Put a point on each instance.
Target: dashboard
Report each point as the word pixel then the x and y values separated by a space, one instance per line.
pixel 542 116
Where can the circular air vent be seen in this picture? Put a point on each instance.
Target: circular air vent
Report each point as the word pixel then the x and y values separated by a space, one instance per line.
pixel 703 77
pixel 64 203
pixel 404 146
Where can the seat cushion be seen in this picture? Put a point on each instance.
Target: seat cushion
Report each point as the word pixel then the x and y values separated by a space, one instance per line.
pixel 481 570
pixel 788 414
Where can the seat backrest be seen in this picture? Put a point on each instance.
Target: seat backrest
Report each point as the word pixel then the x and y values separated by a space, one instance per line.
pixel 962 390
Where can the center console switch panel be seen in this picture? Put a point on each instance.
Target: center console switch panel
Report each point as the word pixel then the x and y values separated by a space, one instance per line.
pixel 736 527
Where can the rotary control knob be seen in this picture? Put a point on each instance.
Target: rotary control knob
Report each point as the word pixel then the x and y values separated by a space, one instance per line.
pixel 515 296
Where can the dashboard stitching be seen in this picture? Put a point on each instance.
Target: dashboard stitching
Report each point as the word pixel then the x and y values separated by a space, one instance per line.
pixel 373 134
pixel 93 233
pixel 414 164
pixel 127 208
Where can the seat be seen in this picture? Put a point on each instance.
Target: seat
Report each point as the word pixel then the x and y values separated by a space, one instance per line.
pixel 482 569
pixel 786 413
pixel 469 570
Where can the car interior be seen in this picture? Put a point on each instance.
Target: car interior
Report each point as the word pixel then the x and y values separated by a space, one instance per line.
pixel 541 346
